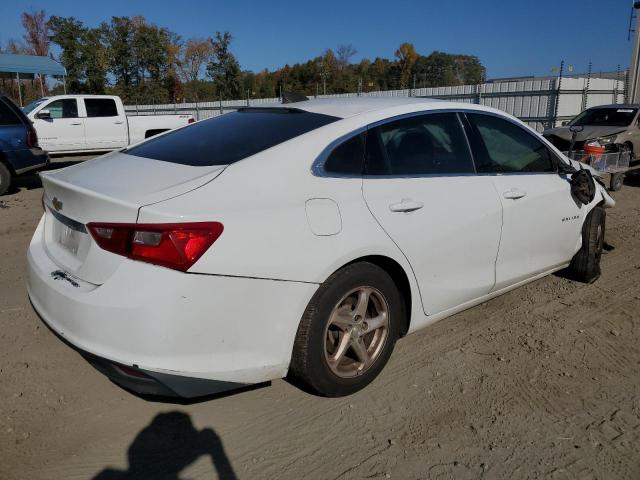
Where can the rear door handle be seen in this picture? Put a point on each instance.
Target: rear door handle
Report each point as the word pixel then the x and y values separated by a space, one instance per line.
pixel 119 123
pixel 514 194
pixel 76 123
pixel 406 205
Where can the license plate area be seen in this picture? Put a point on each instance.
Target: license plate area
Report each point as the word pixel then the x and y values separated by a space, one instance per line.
pixel 67 233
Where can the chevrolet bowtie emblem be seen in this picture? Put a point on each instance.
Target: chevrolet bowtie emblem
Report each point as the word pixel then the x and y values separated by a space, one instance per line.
pixel 57 204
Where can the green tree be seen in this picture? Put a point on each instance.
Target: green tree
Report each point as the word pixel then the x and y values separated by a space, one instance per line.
pixel 224 69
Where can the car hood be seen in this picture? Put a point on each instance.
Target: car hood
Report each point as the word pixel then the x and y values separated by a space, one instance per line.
pixel 589 132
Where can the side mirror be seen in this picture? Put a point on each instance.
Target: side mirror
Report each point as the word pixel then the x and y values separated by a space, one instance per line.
pixel 576 128
pixel 44 114
pixel 564 123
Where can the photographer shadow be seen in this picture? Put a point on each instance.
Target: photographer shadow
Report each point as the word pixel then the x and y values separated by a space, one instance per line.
pixel 168 445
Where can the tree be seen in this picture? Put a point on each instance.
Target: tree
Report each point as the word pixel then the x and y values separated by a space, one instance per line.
pixel 407 56
pixel 344 54
pixel 224 69
pixel 68 33
pixel 36 32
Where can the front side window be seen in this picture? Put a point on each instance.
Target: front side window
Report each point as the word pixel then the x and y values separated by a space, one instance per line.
pixel 431 144
pixel 347 158
pixel 230 137
pixel 101 107
pixel 506 147
pixel 67 108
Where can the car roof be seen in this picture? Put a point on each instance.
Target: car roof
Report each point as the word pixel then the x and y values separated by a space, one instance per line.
pixel 617 105
pixel 345 107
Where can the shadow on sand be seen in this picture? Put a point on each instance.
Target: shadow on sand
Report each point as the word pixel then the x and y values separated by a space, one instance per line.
pixel 168 445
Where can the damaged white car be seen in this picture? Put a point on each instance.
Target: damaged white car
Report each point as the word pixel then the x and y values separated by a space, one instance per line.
pixel 302 240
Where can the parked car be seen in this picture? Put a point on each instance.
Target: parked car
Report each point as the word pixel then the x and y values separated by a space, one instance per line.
pixel 19 150
pixel 88 123
pixel 300 239
pixel 615 127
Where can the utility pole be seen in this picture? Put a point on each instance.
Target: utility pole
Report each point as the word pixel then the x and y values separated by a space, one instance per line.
pixel 634 66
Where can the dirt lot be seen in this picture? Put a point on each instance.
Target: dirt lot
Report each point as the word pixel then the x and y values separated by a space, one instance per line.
pixel 543 382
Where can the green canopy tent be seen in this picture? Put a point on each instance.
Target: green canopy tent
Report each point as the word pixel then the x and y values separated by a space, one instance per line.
pixel 28 66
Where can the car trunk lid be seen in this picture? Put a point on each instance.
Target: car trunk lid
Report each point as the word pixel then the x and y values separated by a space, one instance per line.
pixel 112 189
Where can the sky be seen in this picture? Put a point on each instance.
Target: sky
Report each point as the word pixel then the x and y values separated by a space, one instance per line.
pixel 511 37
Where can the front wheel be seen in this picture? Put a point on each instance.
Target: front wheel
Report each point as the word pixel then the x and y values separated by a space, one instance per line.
pixel 5 179
pixel 585 265
pixel 347 332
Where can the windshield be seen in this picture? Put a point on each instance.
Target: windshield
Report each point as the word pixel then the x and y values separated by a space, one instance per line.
pixel 29 108
pixel 605 117
pixel 230 137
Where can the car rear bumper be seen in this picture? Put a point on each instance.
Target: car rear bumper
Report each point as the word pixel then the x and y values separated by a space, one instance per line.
pixel 191 334
pixel 37 158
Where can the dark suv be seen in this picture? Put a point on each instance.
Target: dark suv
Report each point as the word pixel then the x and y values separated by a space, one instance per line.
pixel 19 150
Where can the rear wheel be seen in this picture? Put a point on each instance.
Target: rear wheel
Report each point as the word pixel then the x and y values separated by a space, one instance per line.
pixel 5 179
pixel 616 182
pixel 585 265
pixel 348 331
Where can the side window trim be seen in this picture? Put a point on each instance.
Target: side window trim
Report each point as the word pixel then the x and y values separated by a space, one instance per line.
pixel 317 167
pixel 477 142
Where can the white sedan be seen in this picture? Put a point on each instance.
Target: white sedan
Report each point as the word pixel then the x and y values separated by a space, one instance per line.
pixel 300 240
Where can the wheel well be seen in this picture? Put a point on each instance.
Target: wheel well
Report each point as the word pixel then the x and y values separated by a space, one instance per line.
pixel 399 276
pixel 5 162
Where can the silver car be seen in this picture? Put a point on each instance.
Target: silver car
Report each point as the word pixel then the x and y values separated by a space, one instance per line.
pixel 614 127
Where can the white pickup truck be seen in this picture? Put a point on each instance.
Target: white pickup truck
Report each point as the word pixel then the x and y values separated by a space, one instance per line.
pixel 93 123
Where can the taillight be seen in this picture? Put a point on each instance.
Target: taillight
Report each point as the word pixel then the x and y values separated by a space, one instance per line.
pixel 172 245
pixel 191 120
pixel 32 137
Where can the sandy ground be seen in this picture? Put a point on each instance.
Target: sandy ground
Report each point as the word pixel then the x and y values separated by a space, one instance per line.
pixel 540 383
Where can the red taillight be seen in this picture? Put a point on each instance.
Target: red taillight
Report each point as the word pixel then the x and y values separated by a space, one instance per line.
pixel 192 120
pixel 172 245
pixel 32 137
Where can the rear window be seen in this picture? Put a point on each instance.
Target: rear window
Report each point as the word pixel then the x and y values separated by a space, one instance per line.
pixel 231 137
pixel 101 107
pixel 7 116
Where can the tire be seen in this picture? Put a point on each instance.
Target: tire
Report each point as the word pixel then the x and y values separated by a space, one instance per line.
pixel 5 179
pixel 585 266
pixel 616 182
pixel 328 353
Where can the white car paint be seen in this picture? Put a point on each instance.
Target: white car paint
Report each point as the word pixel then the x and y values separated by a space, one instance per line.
pixel 87 133
pixel 234 315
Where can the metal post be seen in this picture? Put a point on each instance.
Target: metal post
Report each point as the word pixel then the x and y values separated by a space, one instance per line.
pixel 220 100
pixel 41 85
pixel 247 97
pixel 634 66
pixel 585 91
pixel 19 88
pixel 64 84
pixel 557 99
pixel 197 111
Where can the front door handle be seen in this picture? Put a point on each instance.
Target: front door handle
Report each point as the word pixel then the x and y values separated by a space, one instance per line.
pixel 514 194
pixel 406 205
pixel 76 123
pixel 119 122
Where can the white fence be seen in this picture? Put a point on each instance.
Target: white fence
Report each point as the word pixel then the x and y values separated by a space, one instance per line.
pixel 541 103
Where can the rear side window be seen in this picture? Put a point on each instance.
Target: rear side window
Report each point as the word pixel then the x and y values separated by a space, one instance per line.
pixel 101 107
pixel 432 144
pixel 505 147
pixel 7 116
pixel 66 108
pixel 347 158
pixel 231 137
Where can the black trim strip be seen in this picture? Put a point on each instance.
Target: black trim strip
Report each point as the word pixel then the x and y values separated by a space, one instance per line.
pixel 68 222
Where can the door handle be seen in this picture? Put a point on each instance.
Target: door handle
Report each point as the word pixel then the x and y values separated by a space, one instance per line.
pixel 514 194
pixel 406 205
pixel 119 123
pixel 76 123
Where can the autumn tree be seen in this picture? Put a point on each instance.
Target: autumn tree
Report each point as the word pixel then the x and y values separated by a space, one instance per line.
pixel 223 68
pixel 406 56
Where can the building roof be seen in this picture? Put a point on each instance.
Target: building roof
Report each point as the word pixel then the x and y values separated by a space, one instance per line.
pixel 30 64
